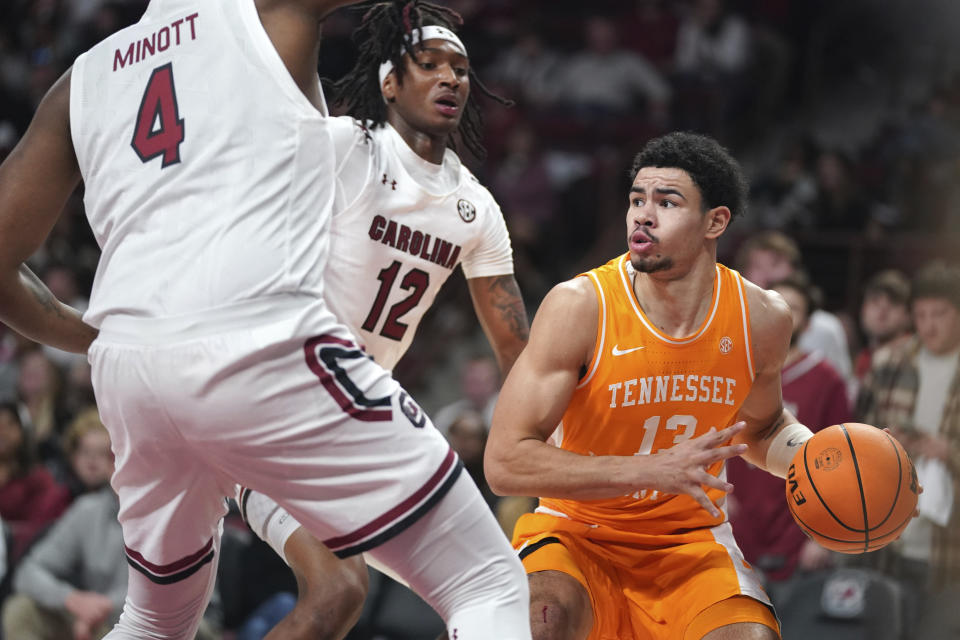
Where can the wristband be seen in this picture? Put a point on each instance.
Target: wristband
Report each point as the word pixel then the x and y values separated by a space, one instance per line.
pixel 784 447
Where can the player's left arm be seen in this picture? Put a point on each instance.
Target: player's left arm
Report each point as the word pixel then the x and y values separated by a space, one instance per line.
pixel 503 316
pixel 773 434
pixel 35 181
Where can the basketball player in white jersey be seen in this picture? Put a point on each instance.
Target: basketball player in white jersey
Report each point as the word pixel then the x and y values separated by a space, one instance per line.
pixel 406 213
pixel 202 138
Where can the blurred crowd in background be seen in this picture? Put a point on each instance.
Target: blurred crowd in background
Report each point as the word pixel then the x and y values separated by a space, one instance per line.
pixel 846 116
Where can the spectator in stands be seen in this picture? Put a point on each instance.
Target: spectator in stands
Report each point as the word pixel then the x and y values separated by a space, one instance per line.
pixel 710 65
pixel 479 386
pixel 913 388
pixel 659 24
pixel 770 256
pixel 523 185
pixel 468 437
pixel 784 198
pixel 713 40
pixel 527 70
pixel 816 394
pixel 86 449
pixel 73 582
pixel 30 498
pixel 841 202
pixel 604 80
pixel 39 390
pixel 884 315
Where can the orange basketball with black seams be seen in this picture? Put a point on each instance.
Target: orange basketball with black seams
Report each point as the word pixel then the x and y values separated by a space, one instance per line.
pixel 852 488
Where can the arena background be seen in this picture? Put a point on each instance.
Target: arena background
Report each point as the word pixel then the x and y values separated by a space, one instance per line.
pixel 845 114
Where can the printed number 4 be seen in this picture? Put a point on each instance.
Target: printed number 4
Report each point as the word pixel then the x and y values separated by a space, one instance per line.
pixel 159 128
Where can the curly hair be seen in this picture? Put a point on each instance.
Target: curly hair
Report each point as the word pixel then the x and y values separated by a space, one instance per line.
pixel 381 36
pixel 711 167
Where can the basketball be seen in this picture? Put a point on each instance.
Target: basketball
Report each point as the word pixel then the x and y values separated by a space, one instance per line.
pixel 852 488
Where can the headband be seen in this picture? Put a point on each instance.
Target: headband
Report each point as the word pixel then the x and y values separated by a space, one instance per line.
pixel 430 32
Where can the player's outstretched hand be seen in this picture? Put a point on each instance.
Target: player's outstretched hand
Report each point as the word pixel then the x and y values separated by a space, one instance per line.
pixel 683 467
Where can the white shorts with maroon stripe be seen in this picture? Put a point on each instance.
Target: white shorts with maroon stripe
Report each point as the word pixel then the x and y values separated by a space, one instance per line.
pixel 277 398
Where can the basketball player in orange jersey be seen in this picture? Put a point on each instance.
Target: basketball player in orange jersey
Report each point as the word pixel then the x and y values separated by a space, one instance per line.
pixel 657 367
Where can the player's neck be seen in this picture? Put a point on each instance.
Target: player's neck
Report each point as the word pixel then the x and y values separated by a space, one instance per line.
pixel 429 147
pixel 677 306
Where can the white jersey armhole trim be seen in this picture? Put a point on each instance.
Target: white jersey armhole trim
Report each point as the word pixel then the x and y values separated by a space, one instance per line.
pixel 268 54
pixel 76 106
pixel 603 330
pixel 746 328
pixel 368 143
pixel 628 287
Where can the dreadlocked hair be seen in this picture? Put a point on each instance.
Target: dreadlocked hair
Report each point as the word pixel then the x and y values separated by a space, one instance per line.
pixel 383 35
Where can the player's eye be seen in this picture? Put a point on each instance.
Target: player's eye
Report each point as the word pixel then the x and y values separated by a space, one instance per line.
pixel 637 202
pixel 427 65
pixel 461 71
pixel 668 204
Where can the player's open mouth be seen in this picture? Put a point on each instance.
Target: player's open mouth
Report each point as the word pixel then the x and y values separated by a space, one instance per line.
pixel 447 106
pixel 640 241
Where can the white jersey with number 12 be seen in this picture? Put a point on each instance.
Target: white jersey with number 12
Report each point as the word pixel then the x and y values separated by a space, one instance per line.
pixel 401 225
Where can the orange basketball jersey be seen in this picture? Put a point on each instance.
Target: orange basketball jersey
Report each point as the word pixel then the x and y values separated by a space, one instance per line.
pixel 645 391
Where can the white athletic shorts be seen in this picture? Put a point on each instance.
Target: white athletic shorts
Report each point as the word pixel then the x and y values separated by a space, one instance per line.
pixel 275 396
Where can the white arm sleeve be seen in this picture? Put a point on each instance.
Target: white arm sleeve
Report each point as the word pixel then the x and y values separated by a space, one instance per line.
pixel 268 520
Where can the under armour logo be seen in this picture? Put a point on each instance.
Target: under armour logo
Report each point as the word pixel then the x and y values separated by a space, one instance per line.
pixel 393 183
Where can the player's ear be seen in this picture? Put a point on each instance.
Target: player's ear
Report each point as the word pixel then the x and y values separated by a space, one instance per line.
pixel 389 87
pixel 718 219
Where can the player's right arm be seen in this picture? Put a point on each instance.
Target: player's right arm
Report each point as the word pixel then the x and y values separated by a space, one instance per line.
pixel 35 181
pixel 518 460
pixel 293 28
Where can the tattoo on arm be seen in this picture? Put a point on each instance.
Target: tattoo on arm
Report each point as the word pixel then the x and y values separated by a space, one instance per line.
pixel 40 292
pixel 505 298
pixel 774 428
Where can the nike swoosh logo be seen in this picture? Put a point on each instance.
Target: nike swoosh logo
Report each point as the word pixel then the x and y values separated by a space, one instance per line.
pixel 617 352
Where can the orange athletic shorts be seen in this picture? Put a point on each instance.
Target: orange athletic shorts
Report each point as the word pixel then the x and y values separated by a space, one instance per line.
pixel 643 589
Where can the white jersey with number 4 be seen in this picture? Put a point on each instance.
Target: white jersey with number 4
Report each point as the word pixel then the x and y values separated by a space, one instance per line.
pixel 401 225
pixel 208 173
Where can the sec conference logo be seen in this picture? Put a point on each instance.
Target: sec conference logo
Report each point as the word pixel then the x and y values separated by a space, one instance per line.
pixel 467 211
pixel 726 344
